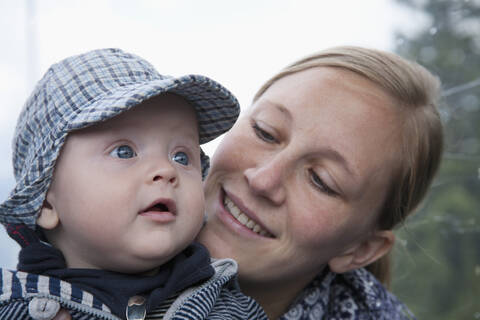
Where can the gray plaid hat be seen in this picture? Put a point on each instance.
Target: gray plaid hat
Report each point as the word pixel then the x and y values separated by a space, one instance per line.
pixel 83 90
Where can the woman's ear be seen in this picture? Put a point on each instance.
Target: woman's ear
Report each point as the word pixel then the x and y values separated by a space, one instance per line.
pixel 48 217
pixel 369 250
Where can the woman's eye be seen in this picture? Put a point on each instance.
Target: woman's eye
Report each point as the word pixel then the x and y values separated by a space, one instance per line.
pixel 318 183
pixel 123 152
pixel 264 135
pixel 181 157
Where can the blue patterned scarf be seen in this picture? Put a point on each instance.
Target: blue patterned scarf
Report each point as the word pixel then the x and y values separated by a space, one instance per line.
pixel 355 295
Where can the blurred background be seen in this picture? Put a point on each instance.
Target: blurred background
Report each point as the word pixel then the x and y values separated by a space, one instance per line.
pixel 242 43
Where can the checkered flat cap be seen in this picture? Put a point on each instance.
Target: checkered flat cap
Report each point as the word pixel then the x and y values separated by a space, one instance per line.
pixel 86 89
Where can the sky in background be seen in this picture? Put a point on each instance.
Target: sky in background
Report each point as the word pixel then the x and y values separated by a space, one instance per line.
pixel 238 43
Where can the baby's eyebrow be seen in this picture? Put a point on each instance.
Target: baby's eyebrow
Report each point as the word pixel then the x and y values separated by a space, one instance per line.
pixel 193 135
pixel 193 143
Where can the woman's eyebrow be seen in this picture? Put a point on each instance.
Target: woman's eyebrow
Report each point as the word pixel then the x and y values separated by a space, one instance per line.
pixel 338 157
pixel 280 107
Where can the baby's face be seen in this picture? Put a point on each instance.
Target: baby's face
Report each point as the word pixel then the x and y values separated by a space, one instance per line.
pixel 128 192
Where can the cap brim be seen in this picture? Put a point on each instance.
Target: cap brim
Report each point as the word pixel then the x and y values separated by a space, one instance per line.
pixel 216 108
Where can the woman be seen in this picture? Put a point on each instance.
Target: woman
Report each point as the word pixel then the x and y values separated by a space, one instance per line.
pixel 304 191
pixel 336 150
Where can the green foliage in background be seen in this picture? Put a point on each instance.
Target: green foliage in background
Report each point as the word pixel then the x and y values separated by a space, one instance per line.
pixel 437 259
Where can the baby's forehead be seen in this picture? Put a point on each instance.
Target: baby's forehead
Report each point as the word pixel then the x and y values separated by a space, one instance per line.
pixel 163 115
pixel 167 108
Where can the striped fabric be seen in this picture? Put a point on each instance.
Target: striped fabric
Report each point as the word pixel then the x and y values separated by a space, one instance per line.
pixel 18 286
pixel 86 89
pixel 159 312
pixel 14 310
pixel 217 299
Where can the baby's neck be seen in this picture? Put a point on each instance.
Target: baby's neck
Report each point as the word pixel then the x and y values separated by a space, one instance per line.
pixel 149 273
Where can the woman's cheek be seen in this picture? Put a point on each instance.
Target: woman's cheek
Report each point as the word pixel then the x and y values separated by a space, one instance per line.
pixel 231 154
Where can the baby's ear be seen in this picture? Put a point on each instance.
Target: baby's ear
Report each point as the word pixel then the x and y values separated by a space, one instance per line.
pixel 369 250
pixel 48 217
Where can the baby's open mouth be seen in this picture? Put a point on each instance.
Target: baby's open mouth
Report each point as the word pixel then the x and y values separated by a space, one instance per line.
pixel 243 219
pixel 159 207
pixel 163 205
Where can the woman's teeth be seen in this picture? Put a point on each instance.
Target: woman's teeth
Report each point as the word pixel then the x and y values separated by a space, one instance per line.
pixel 242 218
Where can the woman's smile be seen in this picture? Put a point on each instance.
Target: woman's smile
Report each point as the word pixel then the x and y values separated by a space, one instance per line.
pixel 244 217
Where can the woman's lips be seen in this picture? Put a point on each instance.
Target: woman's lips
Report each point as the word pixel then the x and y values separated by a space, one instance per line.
pixel 242 217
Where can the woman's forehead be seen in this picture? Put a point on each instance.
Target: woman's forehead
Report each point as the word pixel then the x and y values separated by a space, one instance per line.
pixel 308 81
pixel 315 93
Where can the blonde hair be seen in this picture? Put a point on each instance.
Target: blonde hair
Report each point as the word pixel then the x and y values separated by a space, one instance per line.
pixel 417 93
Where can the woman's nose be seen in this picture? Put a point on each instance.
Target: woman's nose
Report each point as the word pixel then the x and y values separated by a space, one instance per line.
pixel 267 180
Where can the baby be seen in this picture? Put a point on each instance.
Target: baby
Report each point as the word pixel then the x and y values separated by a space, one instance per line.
pixel 108 196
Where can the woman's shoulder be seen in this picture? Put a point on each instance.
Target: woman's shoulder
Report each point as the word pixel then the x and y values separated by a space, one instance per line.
pixel 352 295
pixel 366 295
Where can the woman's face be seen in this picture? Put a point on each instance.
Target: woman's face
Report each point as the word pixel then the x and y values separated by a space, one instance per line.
pixel 300 178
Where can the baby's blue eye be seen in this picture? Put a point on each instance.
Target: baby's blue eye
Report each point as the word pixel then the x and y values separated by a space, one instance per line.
pixel 123 152
pixel 181 157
